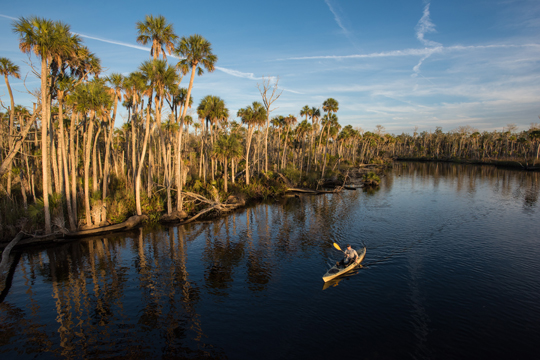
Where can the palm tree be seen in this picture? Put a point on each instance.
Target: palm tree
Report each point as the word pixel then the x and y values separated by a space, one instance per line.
pixel 7 68
pixel 305 111
pixel 330 120
pixel 252 115
pixel 197 52
pixel 289 121
pixel 212 109
pixel 315 115
pixel 227 147
pixel 301 130
pixel 45 39
pixel 330 105
pixel 115 80
pixel 161 77
pixel 156 30
pixel 90 98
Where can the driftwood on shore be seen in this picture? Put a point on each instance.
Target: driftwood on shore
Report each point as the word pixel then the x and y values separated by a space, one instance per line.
pixel 232 203
pixel 59 236
pixel 130 223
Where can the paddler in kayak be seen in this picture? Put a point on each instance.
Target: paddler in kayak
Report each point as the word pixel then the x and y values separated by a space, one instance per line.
pixel 350 255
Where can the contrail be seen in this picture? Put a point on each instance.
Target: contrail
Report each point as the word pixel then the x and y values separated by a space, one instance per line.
pixel 231 72
pixel 113 42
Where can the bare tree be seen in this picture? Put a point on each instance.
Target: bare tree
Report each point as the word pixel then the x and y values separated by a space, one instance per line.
pixel 269 93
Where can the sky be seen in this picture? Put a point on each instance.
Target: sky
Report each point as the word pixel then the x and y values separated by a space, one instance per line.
pixel 402 64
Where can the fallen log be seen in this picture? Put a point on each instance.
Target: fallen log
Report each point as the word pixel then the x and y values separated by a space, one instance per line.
pixel 214 205
pixel 130 223
pixel 301 190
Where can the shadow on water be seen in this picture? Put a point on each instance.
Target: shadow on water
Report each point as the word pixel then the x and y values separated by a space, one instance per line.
pixel 9 277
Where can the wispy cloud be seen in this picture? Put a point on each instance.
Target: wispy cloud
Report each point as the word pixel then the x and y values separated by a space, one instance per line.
pixel 292 91
pixel 113 42
pixel 237 73
pixel 423 52
pixel 425 26
pixel 336 17
pixel 394 53
pixel 8 17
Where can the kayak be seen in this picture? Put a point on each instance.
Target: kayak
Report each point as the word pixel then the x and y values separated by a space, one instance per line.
pixel 336 270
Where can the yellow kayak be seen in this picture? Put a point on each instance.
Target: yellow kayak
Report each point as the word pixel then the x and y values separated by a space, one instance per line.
pixel 335 271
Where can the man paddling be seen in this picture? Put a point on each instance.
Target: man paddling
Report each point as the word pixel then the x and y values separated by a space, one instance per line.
pixel 350 255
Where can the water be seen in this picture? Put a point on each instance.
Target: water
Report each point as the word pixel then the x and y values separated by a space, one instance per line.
pixel 452 271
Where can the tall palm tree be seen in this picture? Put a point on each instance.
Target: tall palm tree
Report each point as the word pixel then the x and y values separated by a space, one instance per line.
pixel 330 105
pixel 330 120
pixel 161 76
pixel 92 99
pixel 115 81
pixel 252 115
pixel 45 39
pixel 305 111
pixel 315 115
pixel 302 130
pixel 227 147
pixel 7 68
pixel 289 121
pixel 212 109
pixel 196 52
pixel 159 33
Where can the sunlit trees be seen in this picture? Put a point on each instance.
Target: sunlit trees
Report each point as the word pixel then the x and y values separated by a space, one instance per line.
pixel 157 31
pixel 46 39
pixel 197 54
pixel 227 147
pixel 252 115
pixel 269 91
pixel 7 68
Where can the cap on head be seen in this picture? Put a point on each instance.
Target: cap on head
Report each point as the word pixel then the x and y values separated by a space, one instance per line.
pixel 348 245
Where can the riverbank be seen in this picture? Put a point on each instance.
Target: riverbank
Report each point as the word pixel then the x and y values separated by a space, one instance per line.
pixel 210 203
pixel 521 164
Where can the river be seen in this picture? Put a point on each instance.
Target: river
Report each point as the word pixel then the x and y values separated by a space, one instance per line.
pixel 452 271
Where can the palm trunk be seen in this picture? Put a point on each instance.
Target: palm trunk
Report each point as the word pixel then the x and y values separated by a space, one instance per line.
pixel 179 144
pixel 88 150
pixel 94 162
pixel 141 160
pixel 72 153
pixel 61 135
pixel 44 143
pixel 106 160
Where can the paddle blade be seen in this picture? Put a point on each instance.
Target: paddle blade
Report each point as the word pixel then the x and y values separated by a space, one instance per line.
pixel 337 247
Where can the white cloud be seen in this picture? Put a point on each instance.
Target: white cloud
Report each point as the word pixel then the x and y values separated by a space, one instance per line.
pixel 336 17
pixel 237 73
pixel 9 17
pixel 425 26
pixel 138 47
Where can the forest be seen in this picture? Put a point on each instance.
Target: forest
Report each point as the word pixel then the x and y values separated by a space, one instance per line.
pixel 71 162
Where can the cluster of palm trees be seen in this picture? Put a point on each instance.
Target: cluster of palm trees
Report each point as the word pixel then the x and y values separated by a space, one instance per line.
pixel 65 148
pixel 71 89
pixel 68 150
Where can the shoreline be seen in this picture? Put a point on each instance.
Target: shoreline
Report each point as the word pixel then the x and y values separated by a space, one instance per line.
pixel 240 201
pixel 509 164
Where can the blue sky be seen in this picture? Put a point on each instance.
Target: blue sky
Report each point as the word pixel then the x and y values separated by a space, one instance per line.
pixel 398 63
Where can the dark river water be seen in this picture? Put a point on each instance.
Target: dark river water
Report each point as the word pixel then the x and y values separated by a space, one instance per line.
pixel 452 271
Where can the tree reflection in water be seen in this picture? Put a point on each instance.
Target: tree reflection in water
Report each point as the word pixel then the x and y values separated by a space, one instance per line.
pixel 142 293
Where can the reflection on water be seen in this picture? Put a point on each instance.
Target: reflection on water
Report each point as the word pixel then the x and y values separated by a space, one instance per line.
pixel 448 246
